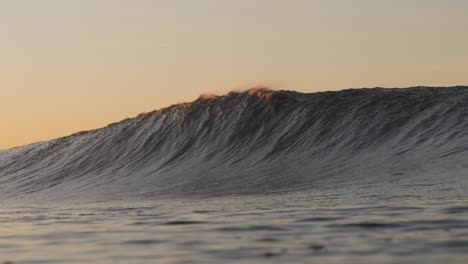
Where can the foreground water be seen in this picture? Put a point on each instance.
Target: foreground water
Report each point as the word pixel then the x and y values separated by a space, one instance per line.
pixel 415 223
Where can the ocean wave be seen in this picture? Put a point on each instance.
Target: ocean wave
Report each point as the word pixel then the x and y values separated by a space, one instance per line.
pixel 257 141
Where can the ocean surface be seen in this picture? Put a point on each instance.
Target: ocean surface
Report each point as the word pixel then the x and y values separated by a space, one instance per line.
pixel 354 176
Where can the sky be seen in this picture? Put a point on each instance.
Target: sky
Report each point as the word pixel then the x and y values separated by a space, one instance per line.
pixel 73 65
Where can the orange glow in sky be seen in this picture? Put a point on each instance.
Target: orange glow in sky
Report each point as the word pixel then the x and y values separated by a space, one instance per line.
pixel 68 66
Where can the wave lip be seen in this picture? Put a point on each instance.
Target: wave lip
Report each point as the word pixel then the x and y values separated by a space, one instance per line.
pixel 256 141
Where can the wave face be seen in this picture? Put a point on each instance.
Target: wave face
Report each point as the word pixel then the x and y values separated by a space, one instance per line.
pixel 258 141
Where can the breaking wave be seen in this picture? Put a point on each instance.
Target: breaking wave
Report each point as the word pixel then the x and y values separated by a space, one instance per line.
pixel 253 142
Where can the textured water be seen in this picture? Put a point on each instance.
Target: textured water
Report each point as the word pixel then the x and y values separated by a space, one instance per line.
pixel 355 176
pixel 355 225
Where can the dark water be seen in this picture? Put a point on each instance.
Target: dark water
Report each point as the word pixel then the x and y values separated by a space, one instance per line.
pixel 355 176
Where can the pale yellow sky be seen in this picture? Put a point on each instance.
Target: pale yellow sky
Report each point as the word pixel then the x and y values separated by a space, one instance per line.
pixel 72 65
